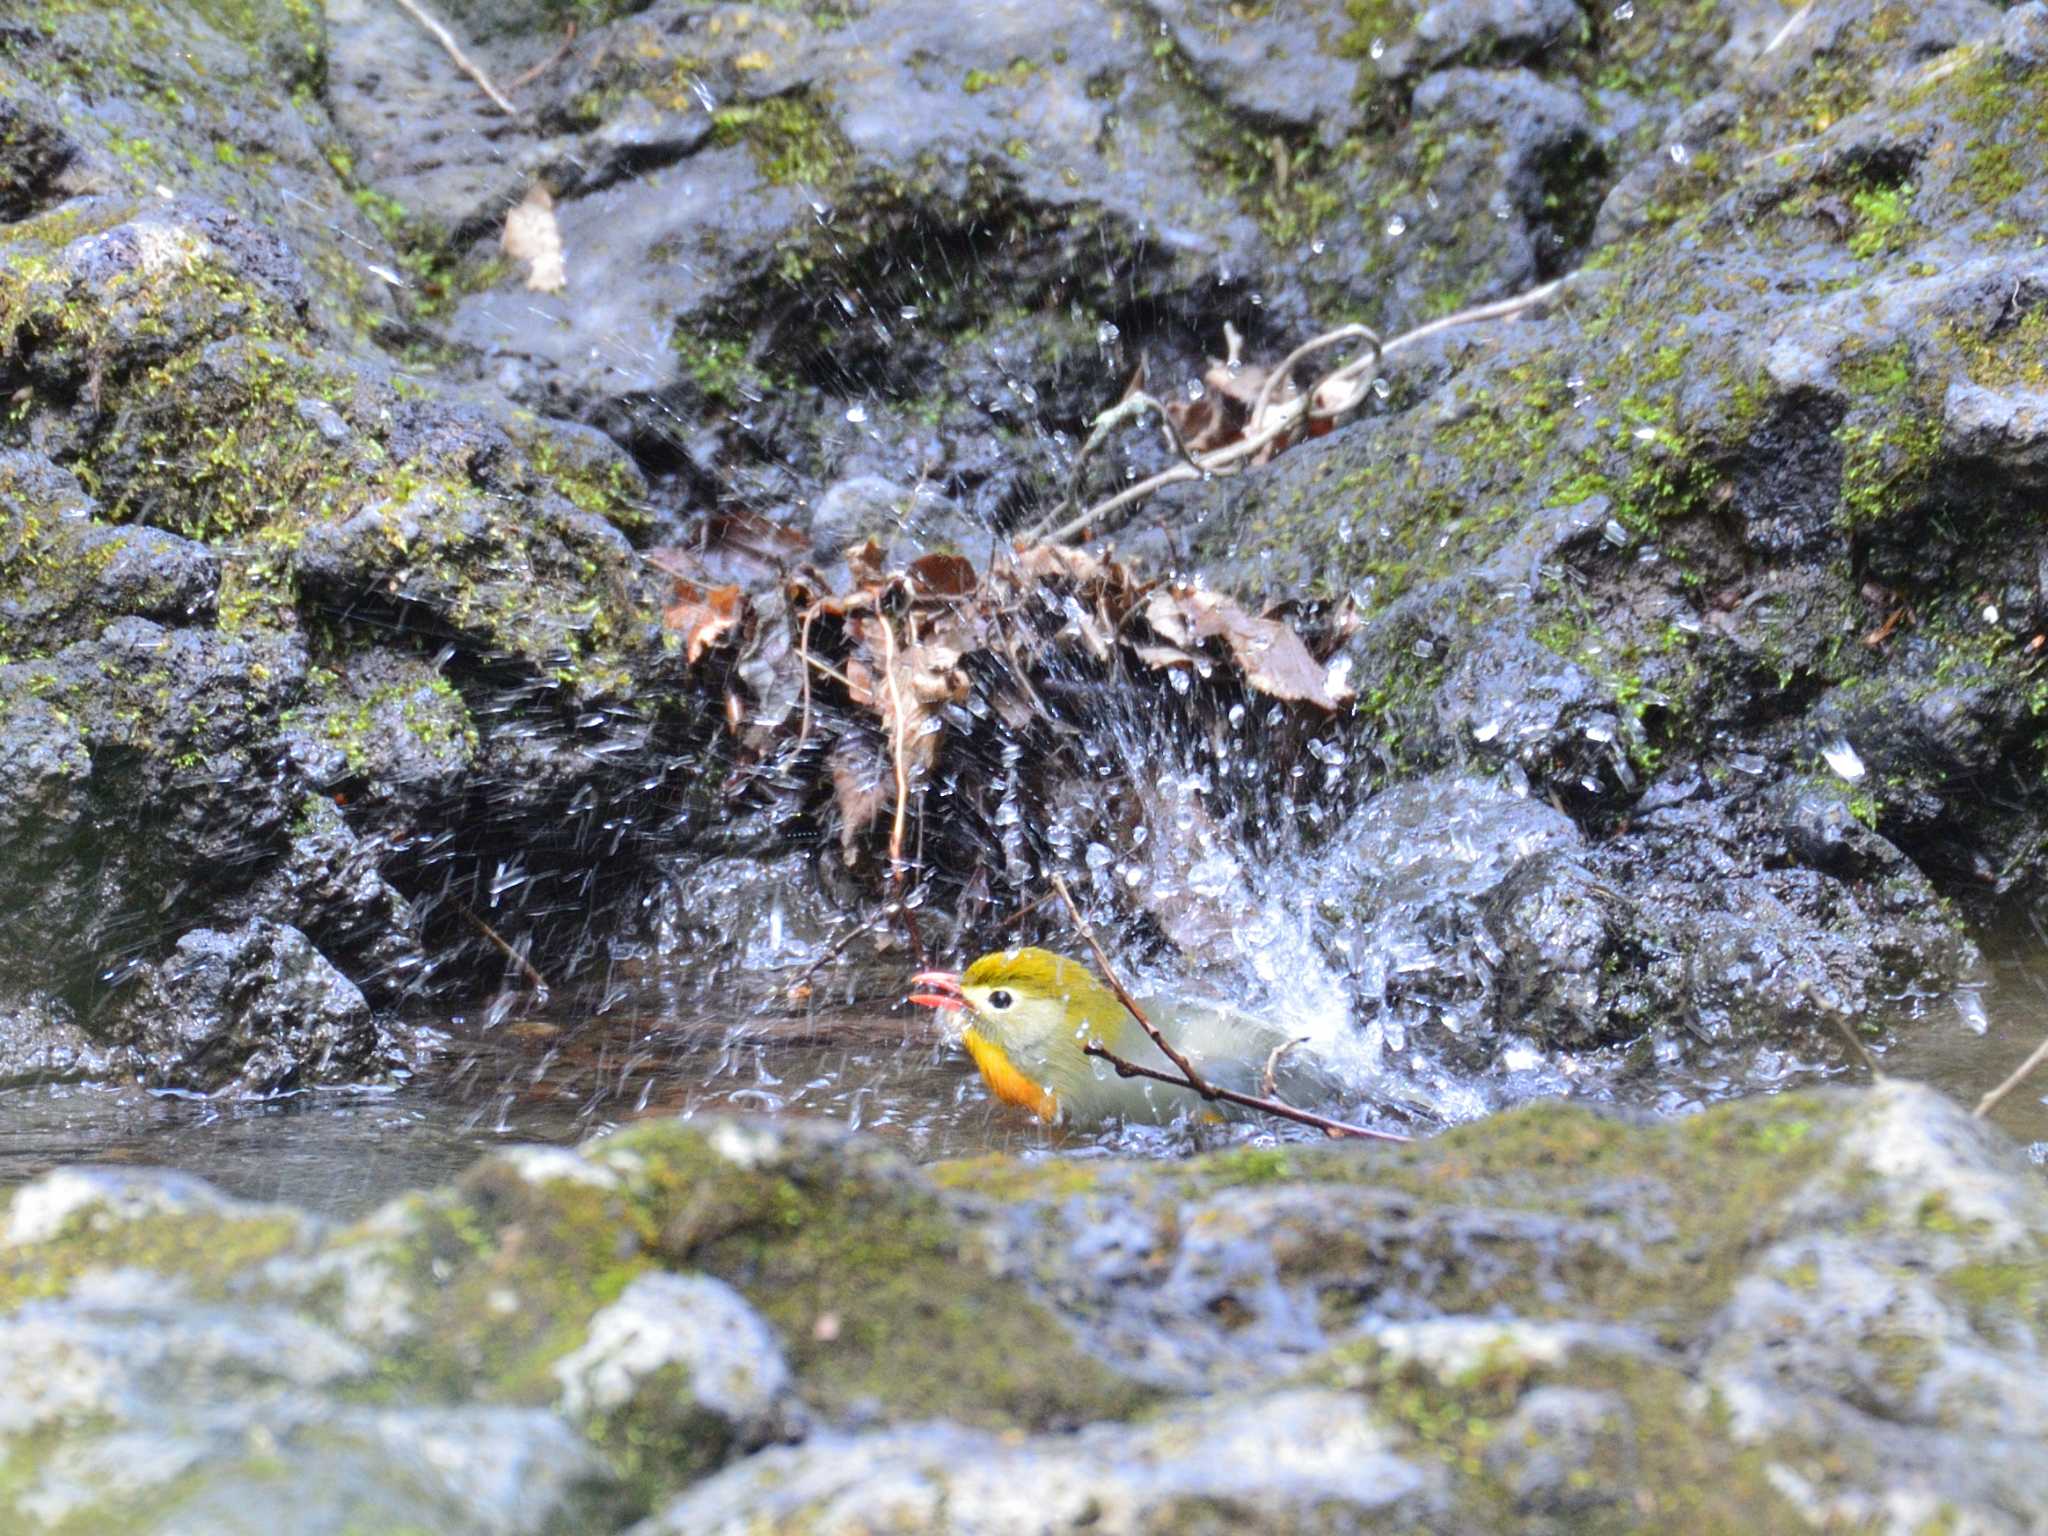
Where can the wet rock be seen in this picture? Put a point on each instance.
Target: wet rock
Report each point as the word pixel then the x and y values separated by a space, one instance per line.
pixel 905 521
pixel 1556 928
pixel 146 763
pixel 206 1415
pixel 685 1358
pixel 2024 35
pixel 258 1007
pixel 40 1042
pixel 64 574
pixel 1296 69
pixel 1517 701
pixel 1492 31
pixel 390 731
pixel 1268 1466
pixel 331 887
pixel 1814 1304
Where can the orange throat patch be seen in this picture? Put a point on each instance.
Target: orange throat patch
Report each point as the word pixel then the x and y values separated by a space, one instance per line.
pixel 1005 1081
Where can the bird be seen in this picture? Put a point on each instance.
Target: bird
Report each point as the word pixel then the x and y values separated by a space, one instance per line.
pixel 1031 1012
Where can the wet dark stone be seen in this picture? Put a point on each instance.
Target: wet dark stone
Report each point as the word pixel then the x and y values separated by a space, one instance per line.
pixel 258 1007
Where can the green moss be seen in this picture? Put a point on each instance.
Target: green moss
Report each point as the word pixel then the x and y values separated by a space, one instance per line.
pixel 852 1257
pixel 206 1250
pixel 2015 355
pixel 793 139
pixel 1883 220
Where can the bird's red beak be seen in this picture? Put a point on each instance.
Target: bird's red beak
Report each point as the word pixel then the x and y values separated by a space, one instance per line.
pixel 945 989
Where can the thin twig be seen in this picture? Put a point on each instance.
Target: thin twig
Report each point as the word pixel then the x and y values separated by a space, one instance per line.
pixel 803 651
pixel 454 51
pixel 1990 1101
pixel 898 750
pixel 1341 390
pixel 1323 1123
pixel 1309 348
pixel 1862 1051
pixel 1132 406
pixel 1189 1077
pixel 1499 309
pixel 1024 911
pixel 1195 1080
pixel 837 948
pixel 540 982
pixel 1267 1084
pixel 519 82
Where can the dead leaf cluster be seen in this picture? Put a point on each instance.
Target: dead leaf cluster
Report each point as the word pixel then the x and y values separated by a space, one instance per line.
pixel 872 674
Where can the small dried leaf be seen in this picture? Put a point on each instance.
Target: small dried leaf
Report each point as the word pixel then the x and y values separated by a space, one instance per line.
pixel 1162 656
pixel 704 618
pixel 866 562
pixel 944 575
pixel 859 789
pixel 533 238
pixel 1169 623
pixel 862 689
pixel 1271 656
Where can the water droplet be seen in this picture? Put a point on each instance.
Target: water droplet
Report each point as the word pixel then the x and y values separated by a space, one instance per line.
pixel 1679 154
pixel 1318 245
pixel 1099 856
pixel 1195 389
pixel 1382 387
pixel 857 414
pixel 1396 227
pixel 1326 752
pixel 1237 714
pixel 1615 534
pixel 1379 48
pixel 1991 613
pixel 1748 763
pixel 1485 731
pixel 1626 11
pixel 1107 333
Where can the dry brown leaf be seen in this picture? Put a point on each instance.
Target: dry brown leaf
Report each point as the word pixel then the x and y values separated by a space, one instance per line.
pixel 944 575
pixel 704 617
pixel 862 689
pixel 1271 656
pixel 1169 623
pixel 1161 656
pixel 860 788
pixel 533 238
pixel 866 561
pixel 1044 561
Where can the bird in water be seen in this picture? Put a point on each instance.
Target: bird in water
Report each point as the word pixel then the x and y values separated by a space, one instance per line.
pixel 1030 1012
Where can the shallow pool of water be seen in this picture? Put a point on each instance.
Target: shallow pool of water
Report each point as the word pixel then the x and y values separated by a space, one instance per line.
pixel 563 1077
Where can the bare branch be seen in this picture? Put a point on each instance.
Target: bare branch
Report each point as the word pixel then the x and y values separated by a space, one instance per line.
pixel 1193 1079
pixel 1267 1085
pixel 1340 390
pixel 1337 1128
pixel 1991 1100
pixel 454 51
pixel 1189 1078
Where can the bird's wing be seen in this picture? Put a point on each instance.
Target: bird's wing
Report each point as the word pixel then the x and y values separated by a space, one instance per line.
pixel 1232 1046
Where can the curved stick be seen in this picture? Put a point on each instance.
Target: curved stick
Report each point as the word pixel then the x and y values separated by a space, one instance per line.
pixel 1189 1077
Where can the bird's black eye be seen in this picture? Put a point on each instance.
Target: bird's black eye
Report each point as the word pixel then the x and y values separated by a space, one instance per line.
pixel 999 999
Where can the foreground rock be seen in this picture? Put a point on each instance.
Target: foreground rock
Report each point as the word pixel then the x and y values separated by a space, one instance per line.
pixel 1822 1310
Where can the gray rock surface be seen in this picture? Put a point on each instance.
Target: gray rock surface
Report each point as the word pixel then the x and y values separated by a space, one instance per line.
pixel 1820 1308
